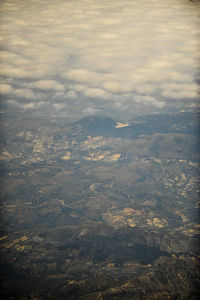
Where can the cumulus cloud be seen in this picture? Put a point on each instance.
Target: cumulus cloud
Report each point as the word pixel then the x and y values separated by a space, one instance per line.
pixel 47 85
pixel 180 91
pixel 71 95
pixel 33 105
pixel 14 71
pixel 180 94
pixel 112 86
pixel 78 87
pixel 81 75
pixel 24 93
pixel 90 111
pixel 142 50
pixel 59 106
pixel 118 87
pixel 145 89
pixel 179 87
pixel 147 100
pixel 12 58
pixel 95 93
pixel 5 89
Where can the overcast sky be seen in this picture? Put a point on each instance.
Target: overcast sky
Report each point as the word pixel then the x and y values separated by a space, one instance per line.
pixel 107 57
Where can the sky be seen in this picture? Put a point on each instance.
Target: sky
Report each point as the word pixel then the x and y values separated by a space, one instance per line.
pixel 116 58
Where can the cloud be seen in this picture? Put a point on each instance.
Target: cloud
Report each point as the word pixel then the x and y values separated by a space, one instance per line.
pixel 90 111
pixel 14 71
pixel 26 106
pixel 94 50
pixel 147 100
pixel 59 106
pixel 33 105
pixel 145 88
pixel 112 86
pixel 179 87
pixel 81 75
pixel 96 93
pixel 180 94
pixel 47 85
pixel 13 58
pixel 29 106
pixel 71 95
pixel 118 87
pixel 78 87
pixel 24 93
pixel 180 91
pixel 5 89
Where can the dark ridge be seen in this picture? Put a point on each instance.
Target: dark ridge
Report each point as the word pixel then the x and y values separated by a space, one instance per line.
pixel 97 125
pixel 185 123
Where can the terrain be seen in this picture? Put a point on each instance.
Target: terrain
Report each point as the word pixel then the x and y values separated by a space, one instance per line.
pixel 100 208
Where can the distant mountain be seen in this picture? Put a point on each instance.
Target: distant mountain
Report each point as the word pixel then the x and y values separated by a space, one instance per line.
pixel 97 125
pixel 186 123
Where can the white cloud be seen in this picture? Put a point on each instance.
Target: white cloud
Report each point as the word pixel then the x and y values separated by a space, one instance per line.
pixel 118 87
pixel 47 85
pixel 14 71
pixel 5 89
pixel 180 94
pixel 81 75
pixel 71 95
pixel 95 49
pixel 24 93
pixel 145 88
pixel 58 106
pixel 90 111
pixel 32 105
pixel 29 106
pixel 12 58
pixel 26 106
pixel 180 77
pixel 95 93
pixel 147 100
pixel 112 86
pixel 78 87
pixel 180 91
pixel 179 87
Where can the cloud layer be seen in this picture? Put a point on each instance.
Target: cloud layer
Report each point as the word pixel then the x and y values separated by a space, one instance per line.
pixel 76 57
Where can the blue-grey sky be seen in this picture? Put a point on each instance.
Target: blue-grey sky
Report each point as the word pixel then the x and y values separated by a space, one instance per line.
pixel 113 57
